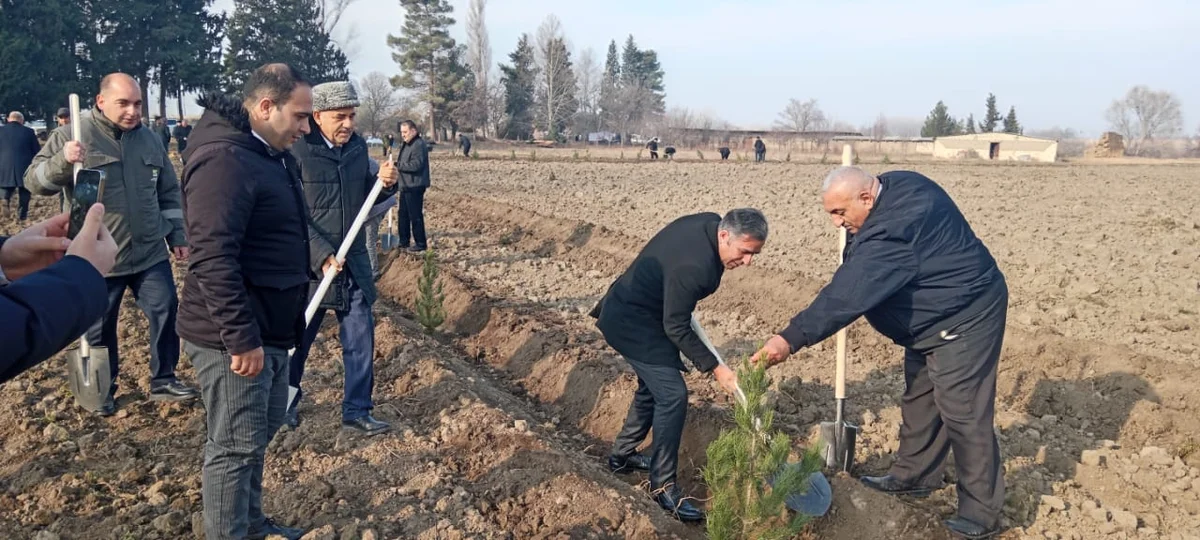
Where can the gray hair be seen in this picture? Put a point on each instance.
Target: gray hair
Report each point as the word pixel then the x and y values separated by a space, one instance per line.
pixel 855 177
pixel 745 222
pixel 16 116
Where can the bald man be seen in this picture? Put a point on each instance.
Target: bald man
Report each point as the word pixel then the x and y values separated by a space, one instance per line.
pixel 921 277
pixel 18 145
pixel 144 212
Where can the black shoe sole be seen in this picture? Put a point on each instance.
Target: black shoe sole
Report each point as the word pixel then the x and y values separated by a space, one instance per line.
pixel 362 431
pixel 172 397
pixel 916 493
pixel 984 536
pixel 625 470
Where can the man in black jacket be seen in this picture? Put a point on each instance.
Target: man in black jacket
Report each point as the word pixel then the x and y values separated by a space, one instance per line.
pixel 243 299
pixel 760 150
pixel 413 163
pixel 57 288
pixel 337 179
pixel 18 146
pixel 916 270
pixel 646 315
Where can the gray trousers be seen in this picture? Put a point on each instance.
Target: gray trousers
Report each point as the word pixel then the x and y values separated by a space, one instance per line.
pixel 372 226
pixel 660 402
pixel 949 404
pixel 243 415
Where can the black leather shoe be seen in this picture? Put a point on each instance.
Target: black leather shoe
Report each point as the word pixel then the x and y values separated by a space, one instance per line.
pixel 626 465
pixel 890 485
pixel 416 249
pixel 679 506
pixel 270 528
pixel 292 418
pixel 109 408
pixel 367 425
pixel 172 391
pixel 965 528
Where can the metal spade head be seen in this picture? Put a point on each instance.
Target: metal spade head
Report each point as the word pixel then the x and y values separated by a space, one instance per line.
pixel 89 375
pixel 388 241
pixel 838 440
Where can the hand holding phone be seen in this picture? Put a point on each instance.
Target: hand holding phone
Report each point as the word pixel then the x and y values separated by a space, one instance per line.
pixel 89 185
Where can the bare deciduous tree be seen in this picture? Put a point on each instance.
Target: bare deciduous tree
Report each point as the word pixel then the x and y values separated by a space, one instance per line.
pixel 378 102
pixel 329 16
pixel 556 81
pixel 801 116
pixel 879 129
pixel 1144 115
pixel 587 76
pixel 900 126
pixel 479 58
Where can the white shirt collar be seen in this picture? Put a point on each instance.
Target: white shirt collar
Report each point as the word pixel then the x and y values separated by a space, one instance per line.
pixel 327 141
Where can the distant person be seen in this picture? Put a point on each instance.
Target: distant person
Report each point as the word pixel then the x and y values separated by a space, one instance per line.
pixel 465 144
pixel 145 217
pixel 760 150
pixel 653 146
pixel 182 132
pixel 51 288
pixel 413 162
pixel 63 117
pixel 669 152
pixel 163 132
pixel 724 150
pixel 389 142
pixel 18 146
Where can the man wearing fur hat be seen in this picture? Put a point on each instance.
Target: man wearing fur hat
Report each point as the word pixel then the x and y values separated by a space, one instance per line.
pixel 337 180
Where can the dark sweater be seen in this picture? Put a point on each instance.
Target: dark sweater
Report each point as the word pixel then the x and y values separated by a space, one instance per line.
pixel 247 278
pixel 646 314
pixel 913 267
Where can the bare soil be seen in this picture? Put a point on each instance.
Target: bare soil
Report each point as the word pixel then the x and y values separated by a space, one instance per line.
pixel 502 420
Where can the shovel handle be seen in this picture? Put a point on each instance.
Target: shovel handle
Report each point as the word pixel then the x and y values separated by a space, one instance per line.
pixel 839 388
pixel 85 349
pixel 327 280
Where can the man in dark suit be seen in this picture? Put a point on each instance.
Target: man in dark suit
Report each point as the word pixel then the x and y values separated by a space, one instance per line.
pixel 916 270
pixel 413 163
pixel 18 146
pixel 646 315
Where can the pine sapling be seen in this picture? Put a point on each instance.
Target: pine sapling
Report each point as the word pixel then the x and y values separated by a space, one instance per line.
pixel 431 311
pixel 748 474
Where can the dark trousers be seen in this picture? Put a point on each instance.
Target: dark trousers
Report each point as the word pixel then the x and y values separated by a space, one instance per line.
pixel 412 216
pixel 949 404
pixel 154 291
pixel 660 402
pixel 243 415
pixel 23 196
pixel 357 334
pixel 182 143
pixel 654 154
pixel 760 156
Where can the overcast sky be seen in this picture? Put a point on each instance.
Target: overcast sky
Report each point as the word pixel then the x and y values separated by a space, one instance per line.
pixel 1060 62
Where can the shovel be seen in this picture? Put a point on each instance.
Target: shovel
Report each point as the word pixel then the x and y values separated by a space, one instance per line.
pixel 839 436
pixel 89 372
pixel 388 241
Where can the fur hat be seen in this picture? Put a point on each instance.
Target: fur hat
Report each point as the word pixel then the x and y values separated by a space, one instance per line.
pixel 334 95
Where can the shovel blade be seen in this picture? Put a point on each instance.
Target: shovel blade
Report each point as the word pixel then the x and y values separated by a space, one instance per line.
pixel 389 242
pixel 838 440
pixel 90 377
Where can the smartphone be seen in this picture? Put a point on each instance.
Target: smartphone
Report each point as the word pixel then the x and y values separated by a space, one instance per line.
pixel 89 184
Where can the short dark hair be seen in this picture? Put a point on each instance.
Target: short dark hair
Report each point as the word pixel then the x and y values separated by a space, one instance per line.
pixel 745 222
pixel 275 82
pixel 411 125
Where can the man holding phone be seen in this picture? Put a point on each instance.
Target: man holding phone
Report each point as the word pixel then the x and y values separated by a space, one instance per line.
pixel 144 214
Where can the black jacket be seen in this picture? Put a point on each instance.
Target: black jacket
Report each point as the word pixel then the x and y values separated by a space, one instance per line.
pixel 45 311
pixel 336 184
pixel 413 163
pixel 247 279
pixel 912 269
pixel 759 146
pixel 646 315
pixel 18 146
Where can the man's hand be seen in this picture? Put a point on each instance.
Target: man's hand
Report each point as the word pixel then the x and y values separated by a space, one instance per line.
pixel 74 151
pixel 774 351
pixel 93 243
pixel 181 253
pixel 331 264
pixel 726 378
pixel 35 248
pixel 388 173
pixel 247 364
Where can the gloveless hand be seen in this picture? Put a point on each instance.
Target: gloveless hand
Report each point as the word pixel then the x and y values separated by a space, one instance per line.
pixel 35 248
pixel 388 173
pixel 726 378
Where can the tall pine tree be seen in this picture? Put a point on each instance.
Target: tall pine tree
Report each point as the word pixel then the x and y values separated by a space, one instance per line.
pixel 520 83
pixel 992 118
pixel 969 127
pixel 269 31
pixel 425 53
pixel 610 87
pixel 190 59
pixel 1010 122
pixel 43 55
pixel 939 123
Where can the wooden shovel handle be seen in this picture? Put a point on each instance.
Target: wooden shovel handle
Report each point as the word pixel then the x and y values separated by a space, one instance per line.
pixel 839 389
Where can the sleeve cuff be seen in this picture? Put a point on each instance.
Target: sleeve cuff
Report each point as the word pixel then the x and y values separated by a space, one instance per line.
pixel 795 337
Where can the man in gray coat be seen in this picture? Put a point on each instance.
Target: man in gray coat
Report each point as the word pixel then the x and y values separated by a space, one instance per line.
pixel 337 180
pixel 144 212
pixel 18 145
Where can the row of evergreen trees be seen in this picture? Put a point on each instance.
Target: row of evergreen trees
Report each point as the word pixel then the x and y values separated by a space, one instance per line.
pixel 940 123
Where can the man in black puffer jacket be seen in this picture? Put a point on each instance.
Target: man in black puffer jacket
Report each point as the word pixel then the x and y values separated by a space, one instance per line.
pixel 337 180
pixel 242 305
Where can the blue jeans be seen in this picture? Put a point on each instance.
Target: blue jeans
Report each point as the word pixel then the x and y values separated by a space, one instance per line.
pixel 154 290
pixel 357 334
pixel 243 415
